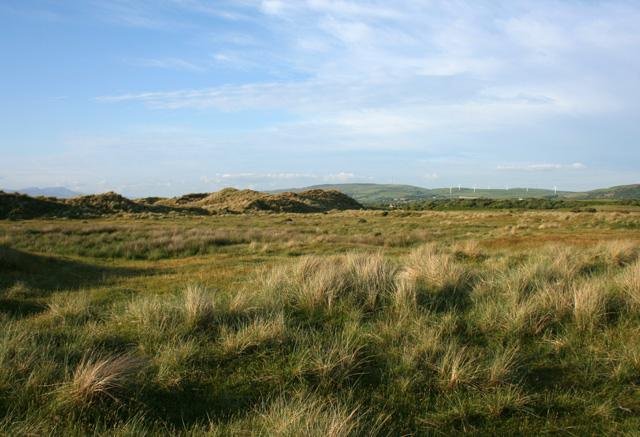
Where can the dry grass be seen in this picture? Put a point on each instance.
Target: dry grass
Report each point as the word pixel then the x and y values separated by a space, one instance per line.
pixel 70 305
pixel 150 315
pixel 503 365
pixel 457 366
pixel 307 415
pixel 546 308
pixel 316 284
pixel 198 305
pixel 333 359
pixel 171 359
pixel 435 270
pixel 372 278
pixel 629 281
pixel 97 379
pixel 619 253
pixel 257 332
pixel 503 399
pixel 589 304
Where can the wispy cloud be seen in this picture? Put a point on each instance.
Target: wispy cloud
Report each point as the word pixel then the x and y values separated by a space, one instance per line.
pixel 168 64
pixel 463 67
pixel 541 167
pixel 244 178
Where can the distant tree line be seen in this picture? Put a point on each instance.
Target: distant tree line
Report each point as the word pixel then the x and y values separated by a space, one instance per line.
pixel 484 203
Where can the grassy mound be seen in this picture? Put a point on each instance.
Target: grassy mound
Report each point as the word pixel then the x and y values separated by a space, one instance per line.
pixel 106 203
pixel 186 199
pixel 233 200
pixel 152 200
pixel 21 206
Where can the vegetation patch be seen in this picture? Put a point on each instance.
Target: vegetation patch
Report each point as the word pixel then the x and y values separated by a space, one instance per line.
pixel 447 322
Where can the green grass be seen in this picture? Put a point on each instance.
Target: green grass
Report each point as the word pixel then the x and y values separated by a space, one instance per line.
pixel 355 323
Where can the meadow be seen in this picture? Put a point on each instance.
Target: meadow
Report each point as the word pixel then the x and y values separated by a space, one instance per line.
pixel 345 323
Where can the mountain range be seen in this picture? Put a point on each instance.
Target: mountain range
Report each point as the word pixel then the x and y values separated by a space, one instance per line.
pixel 59 192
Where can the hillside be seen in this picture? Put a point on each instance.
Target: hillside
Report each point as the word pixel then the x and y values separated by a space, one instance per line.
pixel 107 203
pixel 389 193
pixel 374 193
pixel 618 192
pixel 499 193
pixel 21 206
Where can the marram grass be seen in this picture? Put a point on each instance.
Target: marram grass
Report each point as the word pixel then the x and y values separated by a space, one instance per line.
pixel 301 326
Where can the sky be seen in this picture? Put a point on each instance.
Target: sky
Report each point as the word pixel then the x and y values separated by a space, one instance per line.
pixel 165 97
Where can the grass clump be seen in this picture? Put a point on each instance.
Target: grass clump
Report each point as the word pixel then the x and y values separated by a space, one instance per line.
pixel 98 379
pixel 198 306
pixel 307 415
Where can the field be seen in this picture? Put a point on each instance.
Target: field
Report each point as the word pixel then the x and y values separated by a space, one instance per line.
pixel 346 323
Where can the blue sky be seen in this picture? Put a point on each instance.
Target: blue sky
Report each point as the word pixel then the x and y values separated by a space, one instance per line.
pixel 171 96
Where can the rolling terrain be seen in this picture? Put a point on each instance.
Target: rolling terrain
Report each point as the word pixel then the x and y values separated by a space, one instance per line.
pixel 227 201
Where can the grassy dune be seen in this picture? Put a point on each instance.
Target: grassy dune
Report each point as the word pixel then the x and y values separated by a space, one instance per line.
pixel 322 324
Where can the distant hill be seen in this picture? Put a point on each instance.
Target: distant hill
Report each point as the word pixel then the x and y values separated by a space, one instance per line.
pixel 392 193
pixel 374 193
pixel 59 192
pixel 619 192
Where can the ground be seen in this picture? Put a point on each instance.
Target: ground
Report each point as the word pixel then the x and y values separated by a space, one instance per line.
pixel 362 323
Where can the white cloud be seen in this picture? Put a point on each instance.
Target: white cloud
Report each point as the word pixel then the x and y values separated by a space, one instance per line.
pixel 339 177
pixel 431 176
pixel 289 179
pixel 272 7
pixel 348 32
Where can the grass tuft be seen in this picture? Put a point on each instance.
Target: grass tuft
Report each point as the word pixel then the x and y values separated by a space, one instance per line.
pixel 97 379
pixel 308 415
pixel 197 305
